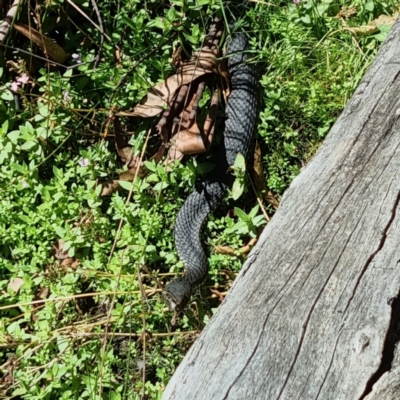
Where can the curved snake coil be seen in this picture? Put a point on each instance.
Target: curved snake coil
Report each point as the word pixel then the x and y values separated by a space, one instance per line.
pixel 241 114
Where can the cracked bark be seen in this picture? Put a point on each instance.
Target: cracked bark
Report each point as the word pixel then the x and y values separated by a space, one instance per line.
pixel 315 311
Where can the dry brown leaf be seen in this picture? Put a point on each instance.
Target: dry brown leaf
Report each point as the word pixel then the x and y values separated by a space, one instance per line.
pixel 109 187
pixel 71 262
pixel 186 132
pixel 15 284
pixel 157 99
pixel 42 293
pixel 52 49
pixel 373 26
pixel 188 137
pixel 347 12
pixel 58 250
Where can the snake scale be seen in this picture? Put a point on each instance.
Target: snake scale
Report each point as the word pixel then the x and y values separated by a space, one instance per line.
pixel 241 114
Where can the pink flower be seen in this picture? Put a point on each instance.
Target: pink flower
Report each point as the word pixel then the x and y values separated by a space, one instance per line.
pixel 24 78
pixel 296 2
pixel 21 80
pixel 14 87
pixel 84 162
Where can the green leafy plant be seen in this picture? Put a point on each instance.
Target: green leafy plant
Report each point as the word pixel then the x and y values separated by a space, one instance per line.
pixel 81 273
pixel 248 223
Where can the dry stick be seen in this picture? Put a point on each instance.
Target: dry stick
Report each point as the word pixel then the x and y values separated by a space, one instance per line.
pixel 101 28
pixel 76 296
pixel 142 296
pixel 133 335
pixel 103 348
pixel 79 29
pixel 9 18
pixel 346 27
pixel 259 201
pixel 19 50
pixel 92 22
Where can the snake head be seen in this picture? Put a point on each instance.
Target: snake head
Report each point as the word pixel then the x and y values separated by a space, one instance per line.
pixel 177 293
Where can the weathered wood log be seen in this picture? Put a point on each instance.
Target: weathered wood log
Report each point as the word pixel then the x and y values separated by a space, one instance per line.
pixel 315 311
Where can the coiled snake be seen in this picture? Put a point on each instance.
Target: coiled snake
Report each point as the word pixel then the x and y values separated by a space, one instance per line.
pixel 241 113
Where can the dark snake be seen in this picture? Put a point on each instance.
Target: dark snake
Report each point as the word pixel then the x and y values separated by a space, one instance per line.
pixel 241 115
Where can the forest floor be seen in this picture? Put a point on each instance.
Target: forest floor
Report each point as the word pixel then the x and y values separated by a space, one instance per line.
pixel 86 237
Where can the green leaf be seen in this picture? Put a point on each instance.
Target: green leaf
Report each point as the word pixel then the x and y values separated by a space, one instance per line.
pixel 44 111
pixel 98 190
pixel 161 186
pixel 6 95
pixel 59 231
pixel 369 5
pixel 62 343
pixel 237 189
pixel 323 6
pixel 254 211
pixel 241 214
pixel 306 19
pixel 151 166
pixel 14 136
pixel 68 73
pixel 29 127
pixel 4 127
pixel 129 22
pixel 58 173
pixel 126 185
pixel 259 220
pixel 25 218
pixel 240 162
pixel 152 178
pixel 28 145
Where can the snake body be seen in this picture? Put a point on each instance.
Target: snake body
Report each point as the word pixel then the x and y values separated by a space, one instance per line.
pixel 241 114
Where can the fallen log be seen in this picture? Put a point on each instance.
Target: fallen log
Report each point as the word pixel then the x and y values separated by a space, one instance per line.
pixel 315 311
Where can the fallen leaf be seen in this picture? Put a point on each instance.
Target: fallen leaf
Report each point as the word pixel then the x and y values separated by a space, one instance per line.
pixel 58 250
pixel 15 284
pixel 157 99
pixel 52 49
pixel 373 27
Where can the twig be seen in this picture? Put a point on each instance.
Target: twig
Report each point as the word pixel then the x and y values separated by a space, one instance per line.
pixel 43 58
pixel 76 296
pixel 128 199
pixel 133 335
pixel 101 28
pixel 259 201
pixel 142 296
pixel 71 3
